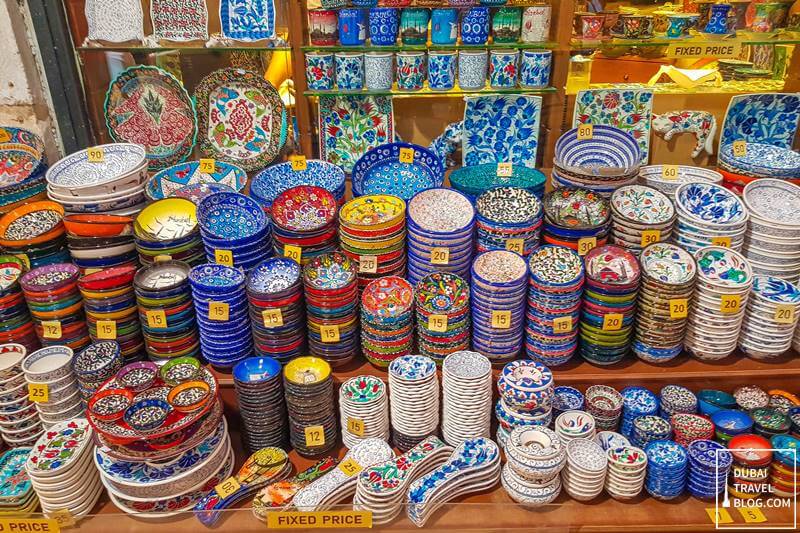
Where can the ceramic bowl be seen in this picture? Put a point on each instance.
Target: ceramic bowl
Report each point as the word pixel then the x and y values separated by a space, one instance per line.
pixel 48 364
pixel 166 182
pixel 11 356
pixel 272 181
pixel 179 369
pixel 147 414
pixel 110 404
pixel 189 396
pixel 137 376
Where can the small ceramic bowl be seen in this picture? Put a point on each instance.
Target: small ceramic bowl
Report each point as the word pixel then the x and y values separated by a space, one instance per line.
pixel 110 404
pixel 147 414
pixel 189 396
pixel 48 364
pixel 179 369
pixel 137 376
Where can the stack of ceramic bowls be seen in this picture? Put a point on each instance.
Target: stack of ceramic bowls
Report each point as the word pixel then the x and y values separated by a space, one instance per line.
pixel 772 241
pixel 526 397
pixel 61 470
pixel 640 216
pixel 606 159
pixel 674 399
pixel 166 312
pixel 498 289
pixel 439 239
pixel 555 290
pixel 576 217
pixel 627 468
pixel 653 176
pixel 20 498
pixel 331 289
pixel 687 428
pixel 769 422
pixel 649 428
pixel 605 404
pixel 443 317
pixel 52 367
pixel 466 397
pixel 16 324
pixel 535 458
pixel 474 180
pixel 782 471
pixel 372 231
pixel 168 229
pixel 308 385
pixel 731 422
pixel 223 318
pixel 665 296
pixel 585 474
pixel 35 230
pixel 268 184
pixel 413 400
pixel 636 402
pixel 724 279
pixel 761 160
pixel 363 410
pixel 508 218
pixel 17 412
pixel 709 465
pixel 611 439
pixel 609 304
pixel 667 469
pixel 387 320
pixel 571 425
pixel 709 214
pixel 96 364
pixel 111 310
pixel 752 456
pixel 277 313
pixel 262 406
pixel 56 306
pixel 234 225
pixel 101 241
pixel 567 399
pixel 304 217
pixel 770 319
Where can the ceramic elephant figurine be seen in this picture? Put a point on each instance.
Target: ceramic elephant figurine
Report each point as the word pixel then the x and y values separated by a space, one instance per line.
pixel 702 123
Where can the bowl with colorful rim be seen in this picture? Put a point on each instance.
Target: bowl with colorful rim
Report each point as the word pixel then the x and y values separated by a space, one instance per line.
pixel 576 209
pixel 166 182
pixel 384 170
pixel 272 181
pixel 231 216
pixel 147 414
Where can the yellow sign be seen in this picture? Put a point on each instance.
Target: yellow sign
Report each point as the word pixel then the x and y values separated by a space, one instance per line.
pixel 273 318
pixel 437 323
pixel 163 257
pixel 752 515
pixel 38 392
pixel 585 132
pixel 612 322
pixel 440 256
pixel 208 166
pixel 224 257
pixel 678 308
pixel 227 487
pixel 51 329
pixel 515 245
pixel 95 155
pixel 156 319
pixel 669 172
pixel 719 515
pixel 320 519
pixel 219 311
pixel 406 155
pixel 505 170
pixel 293 252
pixel 586 244
pixel 725 242
pixel 501 319
pixel 562 324
pixel 739 148
pixel 38 525
pixel 368 264
pixel 63 517
pixel 355 426
pixel 717 49
pixel 784 313
pixel 329 333
pixel 315 436
pixel 298 162
pixel 350 467
pixel 106 330
pixel 730 303
pixel 650 236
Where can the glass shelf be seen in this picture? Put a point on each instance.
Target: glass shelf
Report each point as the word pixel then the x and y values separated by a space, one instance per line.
pixel 428 93
pixel 727 87
pixel 196 49
pixel 745 37
pixel 444 4
pixel 424 47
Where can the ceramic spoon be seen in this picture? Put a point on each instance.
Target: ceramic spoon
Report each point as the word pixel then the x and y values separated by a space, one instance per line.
pixel 278 495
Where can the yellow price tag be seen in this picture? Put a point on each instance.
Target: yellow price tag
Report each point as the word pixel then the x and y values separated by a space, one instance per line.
pixel 752 515
pixel 227 487
pixel 586 245
pixel 440 256
pixel 725 242
pixel 299 162
pixel 515 245
pixel 612 322
pixel 315 436
pixel 219 311
pixel 650 236
pixel 224 257
pixel 273 318
pixel 730 303
pixel 350 467
pixel 669 172
pixel 678 308
pixel 156 319
pixel 319 519
pixel 63 517
pixel 163 257
pixel 368 264
pixel 329 333
pixel 739 148
pixel 106 329
pixel 26 262
pixel 562 324
pixel 355 426
pixel 208 166
pixel 406 155
pixel 505 170
pixel 51 329
pixel 38 392
pixel 293 252
pixel 95 155
pixel 719 515
pixel 784 314
pixel 501 319
pixel 437 323
pixel 585 132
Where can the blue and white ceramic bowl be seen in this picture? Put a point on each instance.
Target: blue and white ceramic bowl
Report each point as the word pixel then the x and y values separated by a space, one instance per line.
pixel 231 216
pixel 270 182
pixel 608 147
pixel 380 171
pixel 215 278
pixel 708 204
pixel 170 180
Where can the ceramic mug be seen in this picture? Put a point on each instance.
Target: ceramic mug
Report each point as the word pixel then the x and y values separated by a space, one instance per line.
pixel 610 19
pixel 766 16
pixel 352 27
pixel 442 69
pixel 383 25
pixel 592 25
pixel 322 27
pixel 648 26
pixel 503 69
pixel 410 70
pixel 378 71
pixel 678 25
pixel 472 67
pixel 718 19
pixel 738 15
pixel 534 71
pixel 506 25
pixel 414 25
pixel 703 12
pixel 475 26
pixel 349 71
pixel 633 26
pixel 319 71
pixel 444 26
pixel 536 23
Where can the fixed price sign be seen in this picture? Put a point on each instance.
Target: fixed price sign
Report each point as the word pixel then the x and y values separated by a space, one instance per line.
pixel 720 49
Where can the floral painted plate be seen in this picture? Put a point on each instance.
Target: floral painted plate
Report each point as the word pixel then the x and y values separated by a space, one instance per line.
pixel 304 208
pixel 555 265
pixel 179 20
pixel 412 367
pixel 329 272
pixel 59 447
pixel 576 208
pixel 272 181
pixel 707 203
pixel 387 297
pixel 14 480
pixel 380 171
pixel 776 290
pixel 612 265
pixel 775 201
pixel 668 263
pixel 229 215
pixel 642 204
pixel 442 291
pixel 362 389
pixel 528 376
pixel 16 165
pixel 767 118
pixel 723 266
pixel 373 211
pixel 247 20
pixel 501 129
pixel 168 181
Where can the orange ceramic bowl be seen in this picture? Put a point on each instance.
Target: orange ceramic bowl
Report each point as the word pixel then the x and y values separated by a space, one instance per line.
pixel 15 214
pixel 83 225
pixel 189 396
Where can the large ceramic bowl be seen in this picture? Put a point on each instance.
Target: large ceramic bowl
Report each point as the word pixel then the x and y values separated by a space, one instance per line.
pixel 166 182
pixel 231 216
pixel 11 356
pixel 270 182
pixel 48 364
pixel 774 203
pixel 653 175
pixel 762 160
pixel 123 165
pixel 380 171
pixel 476 179
pixel 608 147
pixel 708 204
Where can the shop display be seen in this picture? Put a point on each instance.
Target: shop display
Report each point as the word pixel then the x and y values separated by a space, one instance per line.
pixel 413 400
pixel 770 318
pixel 387 315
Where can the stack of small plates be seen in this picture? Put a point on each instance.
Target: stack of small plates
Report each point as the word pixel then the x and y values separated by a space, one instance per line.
pixel 272 181
pixel 166 311
pixel 443 318
pixel 61 470
pixel 168 229
pixel 667 469
pixel 585 474
pixel 331 289
pixel 35 231
pixel 101 241
pixel 526 397
pixel 439 239
pixel 363 410
pixel 56 305
pixel 627 468
pixel 709 465
pixel 19 498
pixel 466 397
pixel 17 412
pixel 51 367
pixel 277 313
pixel 782 471
pixel 668 276
pixel 604 403
pixel 308 383
pixel 235 227
pixel 649 428
pixel 640 216
pixel 16 324
pixel 770 319
pixel 372 231
pixel 508 218
pixel 262 406
pixel 752 456
pixel 555 288
pixel 772 241
pixel 474 180
pixel 575 218
pixel 653 176
pixel 674 399
pixel 220 302
pixel 571 425
pixel 609 304
pixel 724 280
pixel 413 400
pixel 96 364
pixel 387 316
pixel 688 427
pixel 304 218
pixel 636 402
pixel 535 458
pixel 760 161
pixel 567 399
pixel 709 214
pixel 499 286
pixel 111 311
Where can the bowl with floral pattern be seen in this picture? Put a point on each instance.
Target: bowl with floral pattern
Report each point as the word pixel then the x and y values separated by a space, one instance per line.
pixel 707 204
pixel 137 376
pixel 189 396
pixel 147 414
pixel 48 364
pixel 110 404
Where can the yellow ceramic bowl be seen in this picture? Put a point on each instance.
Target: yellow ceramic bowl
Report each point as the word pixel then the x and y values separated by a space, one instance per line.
pixel 373 211
pixel 307 370
pixel 170 218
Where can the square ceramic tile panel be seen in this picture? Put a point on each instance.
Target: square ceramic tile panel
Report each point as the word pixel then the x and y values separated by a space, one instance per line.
pixel 766 118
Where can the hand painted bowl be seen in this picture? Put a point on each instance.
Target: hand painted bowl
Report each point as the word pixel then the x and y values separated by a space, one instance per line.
pixel 474 180
pixel 11 356
pixel 166 220
pixel 576 209
pixel 166 182
pixel 707 204
pixel 137 376
pixel 179 370
pixel 110 404
pixel 380 171
pixel 608 147
pixel 147 414
pixel 97 361
pixel 32 223
pixel 189 396
pixel 303 208
pixel 215 278
pixel 307 370
pixel 272 181
pixel 48 364
pixel 123 163
pixel 231 216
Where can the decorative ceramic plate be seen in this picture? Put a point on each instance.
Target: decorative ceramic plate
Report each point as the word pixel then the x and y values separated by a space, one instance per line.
pixel 441 291
pixel 555 265
pixel 247 20
pixel 763 160
pixel 387 297
pixel 668 263
pixel 501 129
pixel 642 204
pixel 307 370
pixel 767 118
pixel 304 208
pixel 75 170
pixel 171 218
pixel 380 171
pixel 776 290
pixel 148 106
pixel 115 21
pixel 330 271
pixel 612 265
pixel 526 376
pixel 777 201
pixel 59 446
pixel 270 182
pixel 179 20
pixel 412 367
pixel 666 454
pixel 608 147
pixel 170 180
pixel 723 266
pixel 372 211
pixel 241 117
pixel 576 208
pixel 350 126
pixel 229 215
pixel 274 275
pixel 14 480
pixel 16 166
pixel 705 202
pixel 362 389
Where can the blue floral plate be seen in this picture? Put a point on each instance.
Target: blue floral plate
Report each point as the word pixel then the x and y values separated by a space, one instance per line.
pixel 709 203
pixel 274 276
pixel 216 278
pixel 270 182
pixel 231 216
pixel 380 171
pixel 763 160
pixel 166 182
